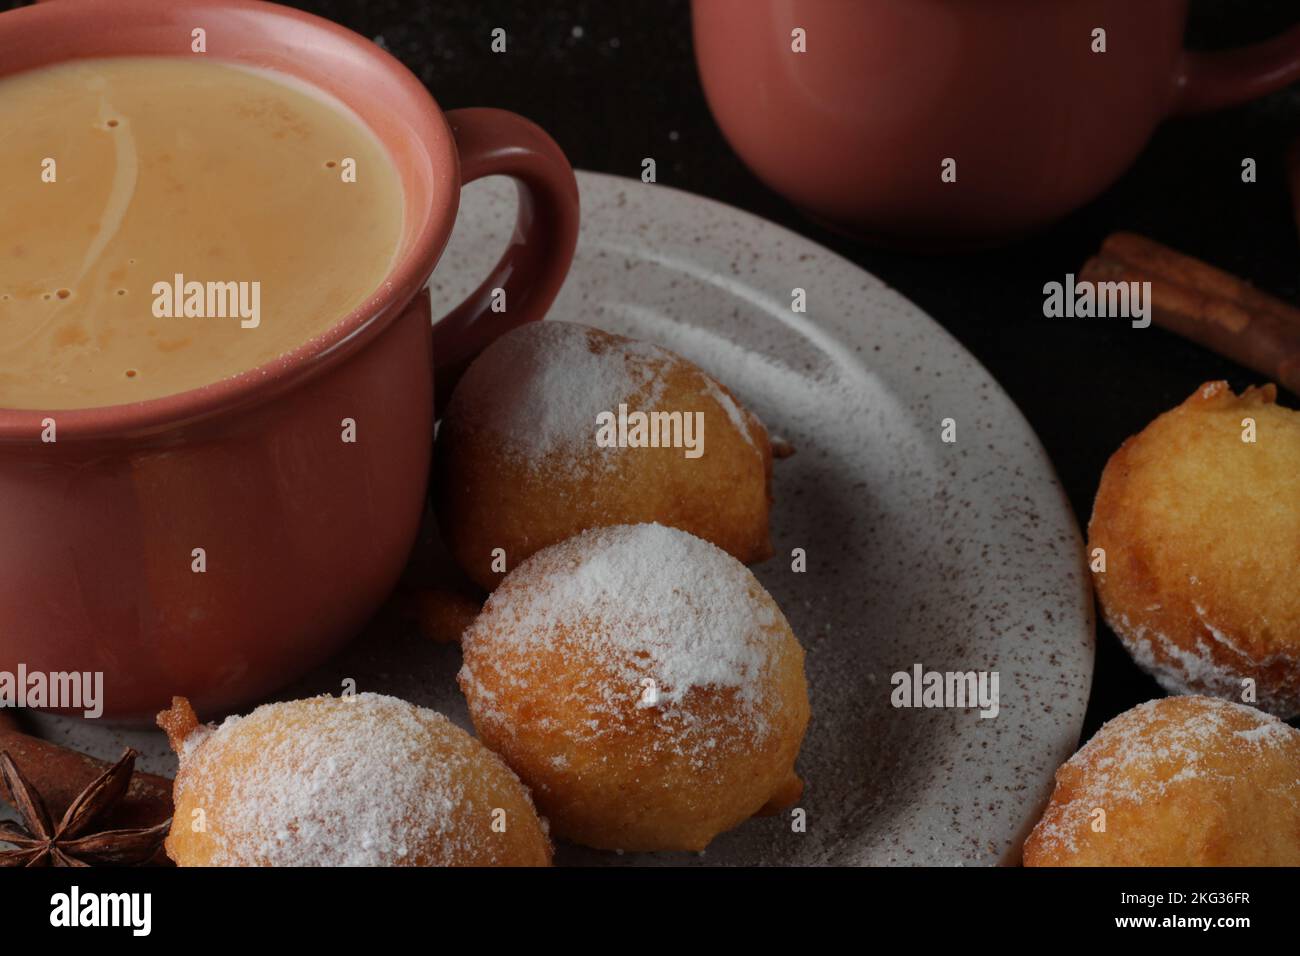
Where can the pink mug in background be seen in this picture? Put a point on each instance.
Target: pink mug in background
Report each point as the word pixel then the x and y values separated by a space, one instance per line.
pixel 858 128
pixel 303 535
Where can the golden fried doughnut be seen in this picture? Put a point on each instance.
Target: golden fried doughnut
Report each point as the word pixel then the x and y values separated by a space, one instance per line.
pixel 518 466
pixel 645 686
pixel 366 780
pixel 1182 781
pixel 1201 533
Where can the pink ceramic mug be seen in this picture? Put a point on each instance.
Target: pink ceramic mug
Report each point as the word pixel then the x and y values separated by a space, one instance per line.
pixel 303 535
pixel 856 129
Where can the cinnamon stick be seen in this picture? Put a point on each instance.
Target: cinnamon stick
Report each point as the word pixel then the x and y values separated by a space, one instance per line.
pixel 60 774
pixel 1207 305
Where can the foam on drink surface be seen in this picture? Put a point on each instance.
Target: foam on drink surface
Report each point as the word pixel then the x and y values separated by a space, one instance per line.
pixel 119 176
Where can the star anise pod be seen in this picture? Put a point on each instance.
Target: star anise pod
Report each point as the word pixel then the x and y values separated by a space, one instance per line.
pixel 75 842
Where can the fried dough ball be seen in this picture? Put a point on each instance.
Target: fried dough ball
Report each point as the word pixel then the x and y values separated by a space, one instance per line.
pixel 367 780
pixel 645 686
pixel 1201 532
pixel 1181 781
pixel 518 466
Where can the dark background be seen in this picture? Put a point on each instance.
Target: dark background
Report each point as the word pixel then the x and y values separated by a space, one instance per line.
pixel 611 79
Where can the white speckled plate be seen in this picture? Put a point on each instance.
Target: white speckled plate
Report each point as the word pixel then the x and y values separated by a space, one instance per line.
pixel 957 556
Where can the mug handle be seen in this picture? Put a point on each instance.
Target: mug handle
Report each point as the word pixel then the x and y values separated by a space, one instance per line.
pixel 1210 81
pixel 499 143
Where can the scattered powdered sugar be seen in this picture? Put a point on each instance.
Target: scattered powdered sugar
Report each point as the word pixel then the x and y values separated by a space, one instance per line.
pixel 352 785
pixel 1220 637
pixel 1202 668
pixel 198 736
pixel 1179 669
pixel 539 389
pixel 646 601
pixel 1268 733
pixel 736 416
pixel 560 377
pixel 1144 752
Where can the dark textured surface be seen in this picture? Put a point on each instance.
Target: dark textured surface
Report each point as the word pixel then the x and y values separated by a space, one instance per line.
pixel 615 81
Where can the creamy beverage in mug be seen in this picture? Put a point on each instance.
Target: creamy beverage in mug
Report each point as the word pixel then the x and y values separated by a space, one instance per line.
pixel 219 361
pixel 171 222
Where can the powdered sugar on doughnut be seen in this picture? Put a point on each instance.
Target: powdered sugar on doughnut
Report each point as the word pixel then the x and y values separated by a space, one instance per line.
pixel 734 414
pixel 1178 669
pixel 1202 668
pixel 646 601
pixel 352 787
pixel 1145 752
pixel 550 381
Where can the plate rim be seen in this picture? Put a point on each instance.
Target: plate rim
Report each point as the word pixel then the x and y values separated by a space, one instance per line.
pixel 1047 487
pixel 1050 490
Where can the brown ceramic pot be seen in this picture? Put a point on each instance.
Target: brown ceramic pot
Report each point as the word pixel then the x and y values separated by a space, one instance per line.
pixel 304 535
pixel 855 129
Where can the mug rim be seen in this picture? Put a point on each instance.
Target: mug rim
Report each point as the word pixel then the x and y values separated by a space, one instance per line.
pixel 413 263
